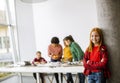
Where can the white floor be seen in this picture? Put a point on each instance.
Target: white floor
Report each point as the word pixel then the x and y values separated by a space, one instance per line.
pixel 29 79
pixel 15 79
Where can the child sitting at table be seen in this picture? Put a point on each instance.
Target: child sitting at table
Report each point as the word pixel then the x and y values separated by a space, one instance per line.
pixel 39 60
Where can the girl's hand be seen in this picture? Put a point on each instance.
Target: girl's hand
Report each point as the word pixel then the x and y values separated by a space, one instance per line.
pixel 42 62
pixel 102 60
pixel 55 57
pixel 50 55
pixel 88 61
pixel 36 63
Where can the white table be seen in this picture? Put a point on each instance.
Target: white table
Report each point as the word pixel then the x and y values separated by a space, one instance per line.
pixel 44 69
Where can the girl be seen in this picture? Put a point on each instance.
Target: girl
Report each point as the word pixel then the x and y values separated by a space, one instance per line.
pixel 77 54
pixel 39 60
pixel 67 58
pixel 55 53
pixel 67 55
pixel 96 58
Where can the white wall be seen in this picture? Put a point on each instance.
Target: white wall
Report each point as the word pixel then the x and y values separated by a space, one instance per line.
pixel 61 18
pixel 25 26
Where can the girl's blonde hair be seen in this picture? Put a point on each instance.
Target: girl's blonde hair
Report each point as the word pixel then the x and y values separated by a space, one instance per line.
pixel 99 31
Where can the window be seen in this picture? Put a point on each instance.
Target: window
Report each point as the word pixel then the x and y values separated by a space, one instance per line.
pixel 4 41
pixel 0 43
pixel 3 27
pixel 7 28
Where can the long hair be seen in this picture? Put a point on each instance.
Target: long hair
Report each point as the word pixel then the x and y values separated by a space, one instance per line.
pixel 101 42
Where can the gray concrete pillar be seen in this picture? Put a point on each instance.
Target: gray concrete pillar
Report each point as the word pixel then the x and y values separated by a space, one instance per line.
pixel 109 20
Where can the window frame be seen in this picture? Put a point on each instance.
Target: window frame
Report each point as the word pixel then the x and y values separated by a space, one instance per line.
pixel 12 29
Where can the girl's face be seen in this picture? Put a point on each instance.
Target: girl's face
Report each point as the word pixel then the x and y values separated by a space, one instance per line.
pixel 95 38
pixel 38 55
pixel 67 42
pixel 64 43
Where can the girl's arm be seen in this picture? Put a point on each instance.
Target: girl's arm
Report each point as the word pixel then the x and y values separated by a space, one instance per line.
pixel 49 52
pixel 35 62
pixel 61 51
pixel 86 60
pixel 102 64
pixel 43 61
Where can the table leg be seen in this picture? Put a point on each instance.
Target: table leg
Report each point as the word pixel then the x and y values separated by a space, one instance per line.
pixel 20 76
pixel 38 79
pixel 49 78
pixel 76 78
pixel 52 79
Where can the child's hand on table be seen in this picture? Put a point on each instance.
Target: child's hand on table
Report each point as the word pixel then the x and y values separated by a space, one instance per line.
pixel 36 63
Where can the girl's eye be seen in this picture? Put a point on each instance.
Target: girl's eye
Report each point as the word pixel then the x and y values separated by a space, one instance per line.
pixel 96 35
pixel 92 36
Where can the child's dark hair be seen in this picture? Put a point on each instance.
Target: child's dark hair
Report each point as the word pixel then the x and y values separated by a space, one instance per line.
pixel 55 40
pixel 38 52
pixel 69 38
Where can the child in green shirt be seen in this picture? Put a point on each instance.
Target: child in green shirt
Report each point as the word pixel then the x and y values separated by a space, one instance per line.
pixel 77 54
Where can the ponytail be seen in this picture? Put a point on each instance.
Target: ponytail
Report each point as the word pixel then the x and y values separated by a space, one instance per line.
pixel 69 38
